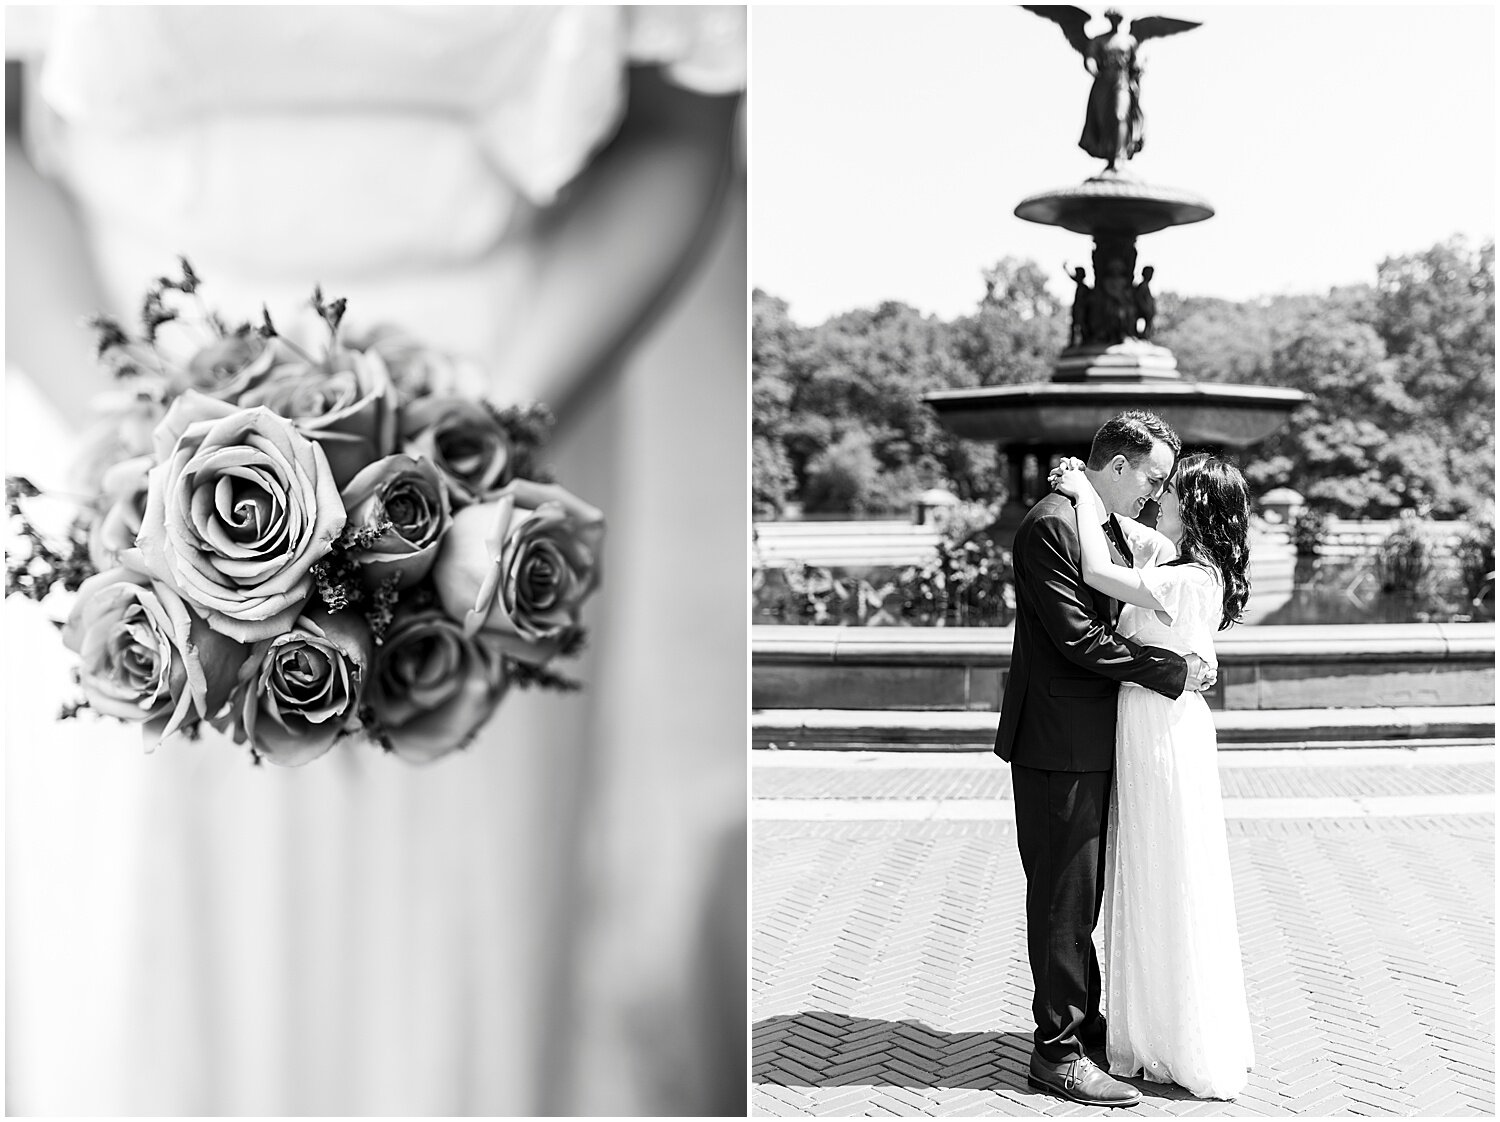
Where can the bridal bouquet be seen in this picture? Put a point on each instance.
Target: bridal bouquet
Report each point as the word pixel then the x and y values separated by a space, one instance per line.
pixel 295 542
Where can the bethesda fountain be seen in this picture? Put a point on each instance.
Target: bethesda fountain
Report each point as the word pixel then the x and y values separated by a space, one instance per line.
pixel 1111 362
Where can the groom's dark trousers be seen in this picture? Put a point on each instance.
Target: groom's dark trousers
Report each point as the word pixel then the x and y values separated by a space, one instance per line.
pixel 1057 730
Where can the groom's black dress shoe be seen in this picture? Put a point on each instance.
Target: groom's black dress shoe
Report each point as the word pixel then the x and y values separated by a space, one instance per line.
pixel 1081 1081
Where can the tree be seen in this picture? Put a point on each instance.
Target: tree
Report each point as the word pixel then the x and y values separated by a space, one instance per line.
pixel 1015 333
pixel 865 372
pixel 776 349
pixel 844 477
pixel 1402 374
pixel 1437 317
pixel 1403 383
pixel 772 483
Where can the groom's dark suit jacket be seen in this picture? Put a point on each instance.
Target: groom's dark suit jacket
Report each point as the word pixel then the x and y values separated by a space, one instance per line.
pixel 1058 713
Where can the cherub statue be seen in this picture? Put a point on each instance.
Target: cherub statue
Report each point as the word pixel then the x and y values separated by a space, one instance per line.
pixel 1114 128
pixel 1144 311
pixel 1078 332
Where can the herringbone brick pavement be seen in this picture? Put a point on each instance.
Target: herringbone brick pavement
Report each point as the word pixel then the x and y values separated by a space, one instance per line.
pixel 889 971
pixel 989 779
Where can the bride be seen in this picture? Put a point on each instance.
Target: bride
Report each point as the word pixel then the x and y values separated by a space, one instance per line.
pixel 545 923
pixel 1174 987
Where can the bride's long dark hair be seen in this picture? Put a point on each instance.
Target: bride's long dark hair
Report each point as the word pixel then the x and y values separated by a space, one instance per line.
pixel 1215 511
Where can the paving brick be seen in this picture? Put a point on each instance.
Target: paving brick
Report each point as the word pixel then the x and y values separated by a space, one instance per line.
pixel 964 1104
pixel 989 779
pixel 900 959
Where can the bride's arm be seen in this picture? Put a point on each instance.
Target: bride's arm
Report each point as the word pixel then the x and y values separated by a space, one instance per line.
pixel 50 282
pixel 621 240
pixel 1099 570
pixel 1148 545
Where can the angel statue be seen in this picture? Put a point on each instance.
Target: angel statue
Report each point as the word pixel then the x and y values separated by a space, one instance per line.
pixel 1114 129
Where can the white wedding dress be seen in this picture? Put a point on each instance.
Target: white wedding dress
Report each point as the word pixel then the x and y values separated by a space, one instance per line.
pixel 1174 987
pixel 549 922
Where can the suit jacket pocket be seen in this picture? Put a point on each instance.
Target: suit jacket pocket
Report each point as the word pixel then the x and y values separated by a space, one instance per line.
pixel 1081 687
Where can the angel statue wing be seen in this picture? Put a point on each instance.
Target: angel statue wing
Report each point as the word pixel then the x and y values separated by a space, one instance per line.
pixel 1154 27
pixel 1072 21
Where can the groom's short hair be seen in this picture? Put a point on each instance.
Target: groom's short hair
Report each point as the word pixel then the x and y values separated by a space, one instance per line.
pixel 1131 434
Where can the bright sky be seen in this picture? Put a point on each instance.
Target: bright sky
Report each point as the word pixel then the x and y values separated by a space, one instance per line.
pixel 890 146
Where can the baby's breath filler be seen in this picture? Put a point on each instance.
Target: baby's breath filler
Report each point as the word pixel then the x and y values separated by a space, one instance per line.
pixel 382 607
pixel 527 676
pixel 110 333
pixel 38 562
pixel 527 428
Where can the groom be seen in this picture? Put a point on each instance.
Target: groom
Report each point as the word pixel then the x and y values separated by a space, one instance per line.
pixel 1057 730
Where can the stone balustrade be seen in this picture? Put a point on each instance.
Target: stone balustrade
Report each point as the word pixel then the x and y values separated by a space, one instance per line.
pixel 858 544
pixel 843 545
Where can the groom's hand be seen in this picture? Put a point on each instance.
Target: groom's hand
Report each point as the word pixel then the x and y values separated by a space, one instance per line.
pixel 1200 676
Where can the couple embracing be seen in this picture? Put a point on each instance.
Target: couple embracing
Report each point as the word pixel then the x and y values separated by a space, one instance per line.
pixel 1112 754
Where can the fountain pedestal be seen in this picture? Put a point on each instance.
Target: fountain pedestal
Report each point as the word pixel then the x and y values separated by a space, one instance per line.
pixel 1131 360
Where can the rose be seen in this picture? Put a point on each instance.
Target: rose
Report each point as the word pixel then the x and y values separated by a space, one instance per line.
pixel 299 690
pixel 433 686
pixel 126 420
pixel 417 369
pixel 464 440
pixel 144 656
pixel 130 416
pixel 408 496
pixel 346 402
pixel 124 486
pixel 239 509
pixel 217 367
pixel 521 566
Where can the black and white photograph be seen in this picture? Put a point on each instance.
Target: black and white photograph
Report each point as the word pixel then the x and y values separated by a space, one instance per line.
pixel 1123 561
pixel 743 560
pixel 375 627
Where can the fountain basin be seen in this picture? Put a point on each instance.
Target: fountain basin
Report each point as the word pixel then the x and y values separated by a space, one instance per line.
pixel 1358 666
pixel 1114 204
pixel 1048 415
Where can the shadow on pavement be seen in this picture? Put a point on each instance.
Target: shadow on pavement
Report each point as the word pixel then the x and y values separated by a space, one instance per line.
pixel 818 1049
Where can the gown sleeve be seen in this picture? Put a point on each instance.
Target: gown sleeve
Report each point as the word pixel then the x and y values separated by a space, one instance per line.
pixel 520 96
pixel 699 48
pixel 1192 602
pixel 27 29
pixel 1147 546
pixel 545 132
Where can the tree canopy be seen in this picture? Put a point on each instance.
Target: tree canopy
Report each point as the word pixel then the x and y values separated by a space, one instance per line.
pixel 1402 373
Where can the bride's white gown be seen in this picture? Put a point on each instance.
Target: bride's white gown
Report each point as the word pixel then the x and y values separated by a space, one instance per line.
pixel 1174 993
pixel 537 924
